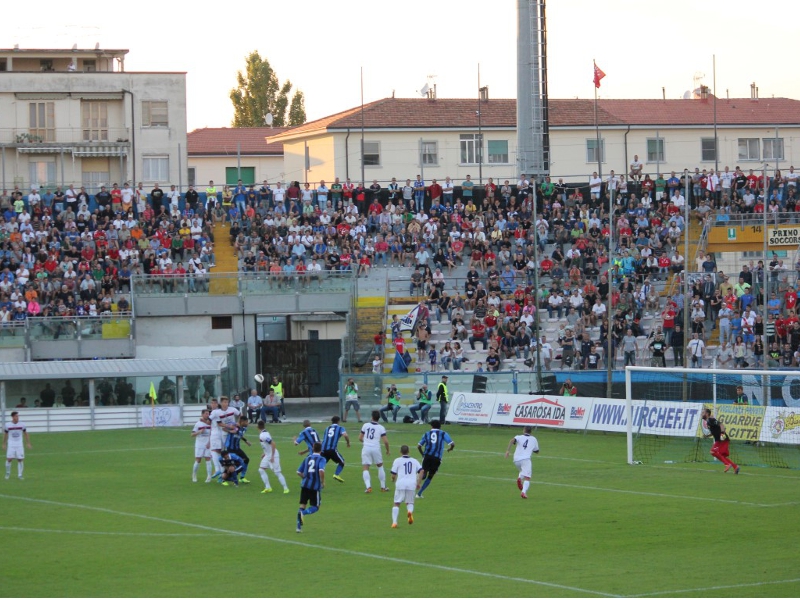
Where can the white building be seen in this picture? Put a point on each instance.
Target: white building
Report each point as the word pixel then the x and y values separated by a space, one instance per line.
pixel 77 117
pixel 404 137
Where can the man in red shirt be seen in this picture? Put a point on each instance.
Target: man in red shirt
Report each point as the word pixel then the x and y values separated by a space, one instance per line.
pixel 669 315
pixel 790 299
pixel 435 190
pixel 478 334
pixel 381 250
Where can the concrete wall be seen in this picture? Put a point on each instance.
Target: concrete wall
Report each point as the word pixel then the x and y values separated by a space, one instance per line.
pixel 188 337
pixel 328 330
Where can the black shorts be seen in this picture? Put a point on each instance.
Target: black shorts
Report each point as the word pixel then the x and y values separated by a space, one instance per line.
pixel 333 456
pixel 430 464
pixel 311 497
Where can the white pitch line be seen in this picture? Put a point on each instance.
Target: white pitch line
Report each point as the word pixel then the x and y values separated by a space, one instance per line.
pixel 314 546
pixel 716 587
pixel 114 533
pixel 614 491
pixel 113 450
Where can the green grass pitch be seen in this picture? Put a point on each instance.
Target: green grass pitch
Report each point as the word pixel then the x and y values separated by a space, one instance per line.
pixel 114 513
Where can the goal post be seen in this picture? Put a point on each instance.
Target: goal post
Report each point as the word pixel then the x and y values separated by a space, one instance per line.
pixel 760 410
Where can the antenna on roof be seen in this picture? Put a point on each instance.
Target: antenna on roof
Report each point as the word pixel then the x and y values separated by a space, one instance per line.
pixel 74 47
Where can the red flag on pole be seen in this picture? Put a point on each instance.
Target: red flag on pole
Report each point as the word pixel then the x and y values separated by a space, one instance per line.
pixel 598 75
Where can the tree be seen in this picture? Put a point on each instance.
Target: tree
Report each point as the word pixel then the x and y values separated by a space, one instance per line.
pixel 259 92
pixel 297 110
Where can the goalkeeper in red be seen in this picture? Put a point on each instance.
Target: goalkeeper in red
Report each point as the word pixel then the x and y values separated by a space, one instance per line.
pixel 720 450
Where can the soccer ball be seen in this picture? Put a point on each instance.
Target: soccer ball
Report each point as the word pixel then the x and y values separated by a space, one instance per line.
pixel 259 378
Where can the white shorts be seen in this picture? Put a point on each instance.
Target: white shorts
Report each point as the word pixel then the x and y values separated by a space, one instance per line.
pixel 371 456
pixel 524 467
pixel 15 452
pixel 202 451
pixel 216 442
pixel 406 496
pixel 275 465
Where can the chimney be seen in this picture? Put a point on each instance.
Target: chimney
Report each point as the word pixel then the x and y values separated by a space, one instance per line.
pixel 484 93
pixel 704 92
pixel 753 91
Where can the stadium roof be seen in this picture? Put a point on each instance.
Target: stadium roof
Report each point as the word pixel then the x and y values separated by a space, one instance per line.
pixel 443 113
pixel 96 369
pixel 225 141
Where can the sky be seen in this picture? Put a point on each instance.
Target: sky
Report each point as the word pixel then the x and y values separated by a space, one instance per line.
pixel 322 46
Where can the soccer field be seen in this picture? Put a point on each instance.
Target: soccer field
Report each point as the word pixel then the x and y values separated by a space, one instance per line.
pixel 114 513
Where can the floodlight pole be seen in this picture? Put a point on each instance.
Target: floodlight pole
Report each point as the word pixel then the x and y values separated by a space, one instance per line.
pixel 685 282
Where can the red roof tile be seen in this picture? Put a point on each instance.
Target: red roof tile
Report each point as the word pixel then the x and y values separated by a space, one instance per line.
pixel 224 140
pixel 421 113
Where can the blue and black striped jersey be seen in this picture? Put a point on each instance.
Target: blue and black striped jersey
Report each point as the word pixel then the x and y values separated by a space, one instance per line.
pixel 331 436
pixel 309 435
pixel 434 441
pixel 310 469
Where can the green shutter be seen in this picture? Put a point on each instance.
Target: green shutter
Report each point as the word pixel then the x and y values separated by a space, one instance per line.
pixel 248 176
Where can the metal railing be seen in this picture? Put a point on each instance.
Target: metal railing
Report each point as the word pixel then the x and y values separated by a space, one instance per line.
pixel 243 283
pixel 17 334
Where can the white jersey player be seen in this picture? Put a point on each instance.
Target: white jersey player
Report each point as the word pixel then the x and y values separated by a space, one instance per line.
pixel 372 435
pixel 13 434
pixel 269 460
pixel 223 420
pixel 406 473
pixel 526 445
pixel 201 432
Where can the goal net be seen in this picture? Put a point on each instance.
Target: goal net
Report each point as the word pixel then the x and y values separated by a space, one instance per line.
pixel 760 410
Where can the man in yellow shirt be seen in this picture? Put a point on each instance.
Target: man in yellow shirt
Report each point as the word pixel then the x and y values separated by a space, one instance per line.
pixel 277 387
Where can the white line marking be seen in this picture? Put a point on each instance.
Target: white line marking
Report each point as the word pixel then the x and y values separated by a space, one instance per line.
pixel 614 491
pixel 716 587
pixel 114 533
pixel 313 546
pixel 652 466
pixel 113 450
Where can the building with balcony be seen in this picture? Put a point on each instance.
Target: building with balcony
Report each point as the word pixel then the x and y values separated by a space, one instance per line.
pixel 77 117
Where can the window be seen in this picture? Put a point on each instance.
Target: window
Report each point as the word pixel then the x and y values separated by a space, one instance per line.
pixel 154 113
pixel 234 174
pixel 591 150
pixel 3 65
pixel 470 149
pixel 372 154
pixel 156 168
pixel 94 121
pixel 498 151
pixel 192 176
pixel 46 64
pixel 313 334
pixel 92 180
pixel 748 149
pixel 430 153
pixel 655 150
pixel 89 66
pixel 760 254
pixel 42 173
pixel 708 150
pixel 773 148
pixel 43 121
pixel 222 322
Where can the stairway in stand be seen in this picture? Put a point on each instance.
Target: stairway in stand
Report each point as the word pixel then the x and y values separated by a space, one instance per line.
pixel 371 318
pixel 226 263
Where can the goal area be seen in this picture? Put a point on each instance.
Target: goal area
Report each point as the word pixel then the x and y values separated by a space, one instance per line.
pixel 760 410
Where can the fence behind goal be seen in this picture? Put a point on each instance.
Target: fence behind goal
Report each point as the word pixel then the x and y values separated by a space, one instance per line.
pixel 760 410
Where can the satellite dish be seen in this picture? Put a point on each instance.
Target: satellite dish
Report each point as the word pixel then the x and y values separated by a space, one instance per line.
pixel 424 91
pixel 268 119
pixel 74 47
pixel 687 95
